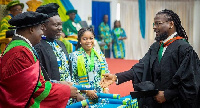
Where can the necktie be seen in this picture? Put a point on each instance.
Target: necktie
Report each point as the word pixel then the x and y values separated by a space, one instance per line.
pixel 160 51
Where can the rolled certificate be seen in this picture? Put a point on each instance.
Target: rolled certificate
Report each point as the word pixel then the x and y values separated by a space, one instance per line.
pixel 129 96
pixel 103 105
pixel 84 87
pixel 114 101
pixel 79 104
pixel 112 96
pixel 114 106
pixel 97 105
pixel 134 103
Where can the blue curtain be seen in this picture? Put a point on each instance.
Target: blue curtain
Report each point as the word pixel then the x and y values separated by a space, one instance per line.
pixel 68 6
pixel 142 16
pixel 99 9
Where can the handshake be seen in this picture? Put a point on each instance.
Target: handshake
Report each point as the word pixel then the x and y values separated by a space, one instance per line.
pixel 108 80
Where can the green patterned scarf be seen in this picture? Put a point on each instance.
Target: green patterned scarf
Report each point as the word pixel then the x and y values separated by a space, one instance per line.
pixel 83 77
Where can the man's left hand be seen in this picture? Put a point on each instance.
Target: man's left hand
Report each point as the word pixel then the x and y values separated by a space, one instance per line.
pixel 160 98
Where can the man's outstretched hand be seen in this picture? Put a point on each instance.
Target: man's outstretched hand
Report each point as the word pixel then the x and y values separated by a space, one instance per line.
pixel 107 80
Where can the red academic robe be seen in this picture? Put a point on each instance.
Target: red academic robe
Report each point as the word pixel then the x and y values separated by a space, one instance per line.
pixel 22 84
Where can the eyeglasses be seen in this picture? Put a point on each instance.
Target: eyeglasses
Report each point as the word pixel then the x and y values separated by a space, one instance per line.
pixel 17 10
pixel 157 24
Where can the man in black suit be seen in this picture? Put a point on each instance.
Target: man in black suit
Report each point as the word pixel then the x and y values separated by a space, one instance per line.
pixel 171 65
pixel 51 52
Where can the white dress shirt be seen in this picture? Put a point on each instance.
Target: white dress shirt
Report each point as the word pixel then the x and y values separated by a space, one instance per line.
pixel 170 37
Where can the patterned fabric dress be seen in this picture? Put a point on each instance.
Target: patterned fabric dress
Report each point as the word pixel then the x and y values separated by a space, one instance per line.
pixel 118 46
pixel 4 26
pixel 93 75
pixel 70 43
pixel 105 33
pixel 69 46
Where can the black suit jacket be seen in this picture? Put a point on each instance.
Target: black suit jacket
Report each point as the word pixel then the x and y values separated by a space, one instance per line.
pixel 48 59
pixel 180 76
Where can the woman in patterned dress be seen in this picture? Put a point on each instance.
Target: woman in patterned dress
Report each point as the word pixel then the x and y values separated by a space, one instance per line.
pixel 118 34
pixel 88 64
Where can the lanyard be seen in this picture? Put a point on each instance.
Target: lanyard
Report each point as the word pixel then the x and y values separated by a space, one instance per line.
pixel 90 59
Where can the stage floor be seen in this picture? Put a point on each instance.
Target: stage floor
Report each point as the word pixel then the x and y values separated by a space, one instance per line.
pixel 120 65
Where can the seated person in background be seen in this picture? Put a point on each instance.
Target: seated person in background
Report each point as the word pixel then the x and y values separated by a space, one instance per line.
pixel 105 35
pixel 21 82
pixel 118 35
pixel 88 64
pixel 52 53
pixel 14 8
pixel 71 28
pixel 68 45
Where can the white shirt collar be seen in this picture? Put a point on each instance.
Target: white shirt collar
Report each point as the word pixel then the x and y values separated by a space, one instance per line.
pixel 170 37
pixel 24 39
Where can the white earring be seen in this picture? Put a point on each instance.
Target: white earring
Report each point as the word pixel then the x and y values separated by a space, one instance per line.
pixel 80 43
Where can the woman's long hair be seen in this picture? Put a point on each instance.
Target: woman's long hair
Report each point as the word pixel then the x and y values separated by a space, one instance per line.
pixel 80 34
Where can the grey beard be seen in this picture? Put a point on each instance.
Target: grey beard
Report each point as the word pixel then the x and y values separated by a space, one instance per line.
pixel 161 37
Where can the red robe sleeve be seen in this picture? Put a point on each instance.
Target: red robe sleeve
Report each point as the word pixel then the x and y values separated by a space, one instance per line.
pixel 15 60
pixel 46 94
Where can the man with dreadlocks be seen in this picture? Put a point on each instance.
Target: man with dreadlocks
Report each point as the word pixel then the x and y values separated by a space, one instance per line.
pixel 171 66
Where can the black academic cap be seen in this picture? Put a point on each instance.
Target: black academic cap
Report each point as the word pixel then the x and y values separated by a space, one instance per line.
pixel 144 94
pixel 28 19
pixel 71 11
pixel 144 89
pixel 50 9
pixel 146 85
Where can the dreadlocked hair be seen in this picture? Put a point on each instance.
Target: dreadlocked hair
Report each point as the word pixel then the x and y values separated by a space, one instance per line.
pixel 80 34
pixel 177 22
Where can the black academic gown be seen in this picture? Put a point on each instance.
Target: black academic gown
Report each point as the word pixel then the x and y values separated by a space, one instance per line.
pixel 48 59
pixel 179 72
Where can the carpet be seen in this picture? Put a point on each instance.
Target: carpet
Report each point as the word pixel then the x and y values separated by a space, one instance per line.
pixel 120 65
